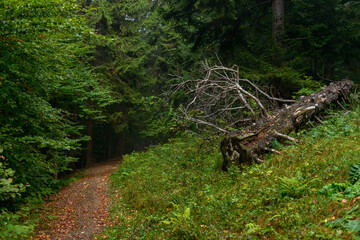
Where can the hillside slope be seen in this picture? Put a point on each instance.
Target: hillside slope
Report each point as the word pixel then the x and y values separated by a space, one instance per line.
pixel 175 191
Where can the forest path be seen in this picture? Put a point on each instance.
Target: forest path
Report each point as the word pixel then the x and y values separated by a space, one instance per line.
pixel 80 210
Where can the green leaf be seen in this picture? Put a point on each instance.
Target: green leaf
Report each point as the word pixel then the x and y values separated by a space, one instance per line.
pixel 166 222
pixel 353 226
pixel 354 173
pixel 187 213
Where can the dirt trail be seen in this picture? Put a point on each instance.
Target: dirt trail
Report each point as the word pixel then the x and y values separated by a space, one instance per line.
pixel 80 210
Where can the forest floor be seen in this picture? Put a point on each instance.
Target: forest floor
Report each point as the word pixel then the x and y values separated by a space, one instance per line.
pixel 80 210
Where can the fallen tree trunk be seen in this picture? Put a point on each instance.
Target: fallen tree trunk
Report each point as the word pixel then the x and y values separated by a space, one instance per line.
pixel 249 144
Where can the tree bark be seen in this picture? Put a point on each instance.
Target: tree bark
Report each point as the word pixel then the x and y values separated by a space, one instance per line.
pixel 247 145
pixel 278 32
pixel 89 152
pixel 110 142
pixel 278 18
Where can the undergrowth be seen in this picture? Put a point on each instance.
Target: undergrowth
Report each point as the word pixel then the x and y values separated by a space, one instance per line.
pixel 21 222
pixel 176 191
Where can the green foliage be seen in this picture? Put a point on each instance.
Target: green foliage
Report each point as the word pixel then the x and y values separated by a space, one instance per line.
pixel 136 51
pixel 181 223
pixel 320 38
pixel 12 225
pixel 47 88
pixel 349 221
pixel 163 123
pixel 294 188
pixel 333 189
pixel 323 25
pixel 312 87
pixel 354 173
pixel 7 188
pixel 155 188
pixel 353 226
pixel 348 190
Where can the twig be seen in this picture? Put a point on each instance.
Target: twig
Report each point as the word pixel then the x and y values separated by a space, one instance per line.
pixel 266 95
pixel 222 99
pixel 319 120
pixel 286 137
pixel 253 97
pixel 205 123
pixel 258 159
pixel 342 107
pixel 259 4
pixel 271 150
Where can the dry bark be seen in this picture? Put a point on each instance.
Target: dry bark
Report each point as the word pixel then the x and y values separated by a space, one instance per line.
pixel 246 146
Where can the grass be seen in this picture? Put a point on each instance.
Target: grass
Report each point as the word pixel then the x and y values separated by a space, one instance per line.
pixel 175 190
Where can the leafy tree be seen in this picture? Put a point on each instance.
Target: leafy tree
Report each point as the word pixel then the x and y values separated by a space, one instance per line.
pixel 46 88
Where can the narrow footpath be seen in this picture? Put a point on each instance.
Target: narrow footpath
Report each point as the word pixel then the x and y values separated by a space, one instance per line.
pixel 80 210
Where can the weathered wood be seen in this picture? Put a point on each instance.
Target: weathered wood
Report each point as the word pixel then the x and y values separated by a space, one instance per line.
pixel 246 146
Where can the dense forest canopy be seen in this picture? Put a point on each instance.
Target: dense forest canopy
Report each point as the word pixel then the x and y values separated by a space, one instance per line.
pixel 313 38
pixel 84 80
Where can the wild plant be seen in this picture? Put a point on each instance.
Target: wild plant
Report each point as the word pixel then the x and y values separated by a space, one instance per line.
pixel 354 173
pixel 293 187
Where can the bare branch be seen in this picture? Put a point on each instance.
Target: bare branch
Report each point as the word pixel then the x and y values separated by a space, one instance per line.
pixel 257 159
pixel 254 98
pixel 271 150
pixel 286 137
pixel 205 123
pixel 319 120
pixel 342 107
pixel 266 95
pixel 221 99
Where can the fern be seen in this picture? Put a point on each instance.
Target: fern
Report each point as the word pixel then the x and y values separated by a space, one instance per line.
pixel 353 226
pixel 292 187
pixel 333 189
pixel 354 173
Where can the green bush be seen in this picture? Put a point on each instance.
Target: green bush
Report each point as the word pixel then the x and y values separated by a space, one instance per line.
pixel 8 189
pixel 13 226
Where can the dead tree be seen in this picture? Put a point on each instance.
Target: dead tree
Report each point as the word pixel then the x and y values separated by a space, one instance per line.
pixel 225 102
pixel 247 145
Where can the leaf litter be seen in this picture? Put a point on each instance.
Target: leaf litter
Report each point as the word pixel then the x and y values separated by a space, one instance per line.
pixel 80 210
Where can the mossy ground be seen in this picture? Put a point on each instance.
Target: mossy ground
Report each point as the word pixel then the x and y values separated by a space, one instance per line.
pixel 175 190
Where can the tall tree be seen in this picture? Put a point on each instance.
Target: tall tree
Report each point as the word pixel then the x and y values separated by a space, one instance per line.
pixel 136 54
pixel 278 18
pixel 326 34
pixel 45 86
pixel 316 41
pixel 278 31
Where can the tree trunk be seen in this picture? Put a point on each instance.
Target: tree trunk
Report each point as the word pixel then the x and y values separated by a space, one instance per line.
pixel 247 145
pixel 121 144
pixel 110 142
pixel 278 18
pixel 89 152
